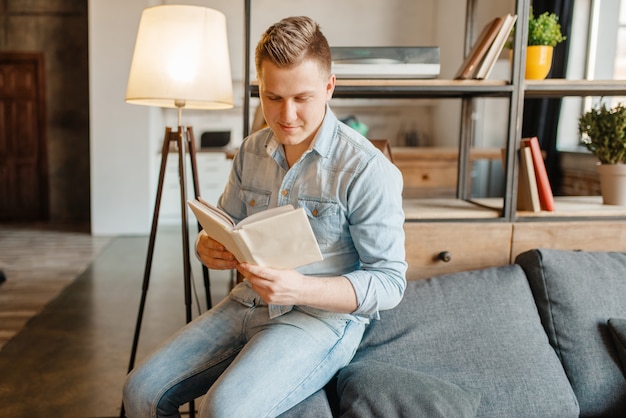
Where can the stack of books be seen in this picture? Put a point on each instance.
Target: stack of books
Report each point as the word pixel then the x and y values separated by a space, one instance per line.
pixel 534 192
pixel 487 48
pixel 385 62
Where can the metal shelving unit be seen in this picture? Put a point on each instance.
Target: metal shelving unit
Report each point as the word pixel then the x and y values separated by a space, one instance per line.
pixel 515 90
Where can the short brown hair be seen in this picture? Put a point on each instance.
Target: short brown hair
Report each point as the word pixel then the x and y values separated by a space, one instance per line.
pixel 291 41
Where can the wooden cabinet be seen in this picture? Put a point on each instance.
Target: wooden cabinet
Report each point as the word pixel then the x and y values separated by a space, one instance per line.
pixel 569 235
pixel 433 171
pixel 439 248
pixel 427 172
pixel 435 248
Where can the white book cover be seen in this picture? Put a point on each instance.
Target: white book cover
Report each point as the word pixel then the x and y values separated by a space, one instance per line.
pixel 280 237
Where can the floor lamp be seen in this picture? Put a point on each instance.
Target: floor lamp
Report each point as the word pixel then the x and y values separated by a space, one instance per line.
pixel 181 60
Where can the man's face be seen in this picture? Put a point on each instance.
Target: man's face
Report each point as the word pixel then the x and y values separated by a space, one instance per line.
pixel 294 100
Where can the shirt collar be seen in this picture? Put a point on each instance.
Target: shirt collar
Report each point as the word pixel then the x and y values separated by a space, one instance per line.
pixel 326 134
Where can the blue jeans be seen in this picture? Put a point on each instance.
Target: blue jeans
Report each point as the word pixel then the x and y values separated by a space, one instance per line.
pixel 247 364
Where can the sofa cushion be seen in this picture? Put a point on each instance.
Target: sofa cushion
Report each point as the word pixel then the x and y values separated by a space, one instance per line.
pixel 576 293
pixel 375 389
pixel 618 332
pixel 481 331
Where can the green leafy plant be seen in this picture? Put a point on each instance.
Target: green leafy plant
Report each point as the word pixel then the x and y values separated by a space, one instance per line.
pixel 544 29
pixel 604 133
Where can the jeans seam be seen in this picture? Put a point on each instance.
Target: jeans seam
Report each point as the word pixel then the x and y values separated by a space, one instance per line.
pixel 244 323
pixel 313 370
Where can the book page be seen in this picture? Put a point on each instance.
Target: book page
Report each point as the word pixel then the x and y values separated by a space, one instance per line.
pixel 264 214
pixel 283 241
pixel 219 213
pixel 216 227
pixel 280 237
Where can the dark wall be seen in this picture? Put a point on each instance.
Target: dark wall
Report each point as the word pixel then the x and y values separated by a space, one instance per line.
pixel 58 28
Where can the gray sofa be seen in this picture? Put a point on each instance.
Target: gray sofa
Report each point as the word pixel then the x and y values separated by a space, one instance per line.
pixel 544 337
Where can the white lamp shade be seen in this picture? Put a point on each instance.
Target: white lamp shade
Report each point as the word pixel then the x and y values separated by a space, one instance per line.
pixel 181 56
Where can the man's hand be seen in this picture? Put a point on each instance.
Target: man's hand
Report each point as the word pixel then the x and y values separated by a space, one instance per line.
pixel 276 287
pixel 213 254
pixel 288 287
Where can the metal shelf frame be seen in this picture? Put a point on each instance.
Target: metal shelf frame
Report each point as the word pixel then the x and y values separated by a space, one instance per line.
pixel 515 90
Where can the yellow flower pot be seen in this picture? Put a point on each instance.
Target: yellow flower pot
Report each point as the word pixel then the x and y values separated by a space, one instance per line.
pixel 538 61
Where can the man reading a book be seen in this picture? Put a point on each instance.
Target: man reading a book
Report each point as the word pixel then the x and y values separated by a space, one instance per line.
pixel 281 335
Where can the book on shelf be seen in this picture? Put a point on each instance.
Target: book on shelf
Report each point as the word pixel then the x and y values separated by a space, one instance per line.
pixel 385 62
pixel 490 58
pixel 546 198
pixel 479 49
pixel 527 189
pixel 279 237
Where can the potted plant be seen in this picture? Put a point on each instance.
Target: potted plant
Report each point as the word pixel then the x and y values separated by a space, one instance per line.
pixel 604 134
pixel 544 33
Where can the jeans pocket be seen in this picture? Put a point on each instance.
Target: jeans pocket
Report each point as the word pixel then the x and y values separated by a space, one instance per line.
pixel 243 294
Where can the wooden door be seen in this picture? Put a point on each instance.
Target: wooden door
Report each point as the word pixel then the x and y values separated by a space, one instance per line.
pixel 23 157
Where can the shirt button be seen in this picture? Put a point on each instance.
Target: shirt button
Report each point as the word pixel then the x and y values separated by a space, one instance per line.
pixel 314 212
pixel 252 202
pixel 284 192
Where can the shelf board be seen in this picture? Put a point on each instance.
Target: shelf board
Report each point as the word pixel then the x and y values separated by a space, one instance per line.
pixel 399 88
pixel 558 87
pixel 577 206
pixel 439 209
pixel 439 88
pixel 414 88
pixel 566 207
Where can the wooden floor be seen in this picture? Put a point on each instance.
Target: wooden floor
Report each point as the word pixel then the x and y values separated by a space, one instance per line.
pixel 71 356
pixel 39 262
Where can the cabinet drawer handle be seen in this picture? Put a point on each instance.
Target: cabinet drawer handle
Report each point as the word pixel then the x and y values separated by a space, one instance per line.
pixel 444 256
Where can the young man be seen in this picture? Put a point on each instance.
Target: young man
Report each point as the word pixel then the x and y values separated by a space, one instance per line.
pixel 281 335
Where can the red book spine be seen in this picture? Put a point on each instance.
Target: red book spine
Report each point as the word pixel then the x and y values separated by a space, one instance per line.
pixel 546 198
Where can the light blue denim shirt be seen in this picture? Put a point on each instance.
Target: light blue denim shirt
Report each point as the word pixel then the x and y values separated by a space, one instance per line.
pixel 352 195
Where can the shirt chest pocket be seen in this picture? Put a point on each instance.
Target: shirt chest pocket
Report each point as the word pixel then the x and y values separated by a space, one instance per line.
pixel 256 200
pixel 326 221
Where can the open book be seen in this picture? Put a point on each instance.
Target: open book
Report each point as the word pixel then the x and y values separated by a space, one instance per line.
pixel 280 237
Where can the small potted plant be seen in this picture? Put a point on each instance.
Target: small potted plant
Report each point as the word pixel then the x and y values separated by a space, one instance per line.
pixel 544 33
pixel 604 134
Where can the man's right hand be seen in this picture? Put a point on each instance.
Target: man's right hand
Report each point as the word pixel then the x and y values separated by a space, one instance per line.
pixel 213 254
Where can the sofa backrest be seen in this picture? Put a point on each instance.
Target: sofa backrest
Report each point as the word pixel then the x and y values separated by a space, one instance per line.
pixel 479 330
pixel 576 294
